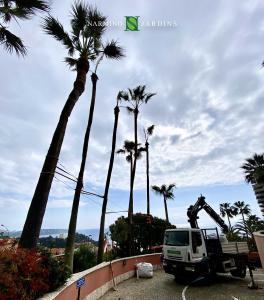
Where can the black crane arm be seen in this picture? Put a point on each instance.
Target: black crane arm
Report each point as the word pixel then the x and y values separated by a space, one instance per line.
pixel 193 211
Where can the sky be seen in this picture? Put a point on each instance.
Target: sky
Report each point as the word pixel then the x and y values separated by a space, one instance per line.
pixel 208 111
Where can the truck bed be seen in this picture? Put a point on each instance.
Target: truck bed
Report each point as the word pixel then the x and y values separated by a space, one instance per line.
pixel 235 247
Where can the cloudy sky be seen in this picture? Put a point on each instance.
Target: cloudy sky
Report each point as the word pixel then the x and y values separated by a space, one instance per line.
pixel 208 110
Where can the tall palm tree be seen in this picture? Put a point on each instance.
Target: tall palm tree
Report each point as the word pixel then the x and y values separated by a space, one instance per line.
pixel 167 193
pixel 85 40
pixel 107 184
pixel 229 211
pixel 111 50
pixel 254 169
pixel 135 98
pixel 147 133
pixel 254 174
pixel 243 210
pixel 129 150
pixel 13 10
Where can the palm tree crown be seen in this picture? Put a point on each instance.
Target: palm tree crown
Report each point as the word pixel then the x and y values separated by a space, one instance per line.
pixel 242 208
pixel 254 169
pixel 166 191
pixel 227 210
pixel 88 26
pixel 13 10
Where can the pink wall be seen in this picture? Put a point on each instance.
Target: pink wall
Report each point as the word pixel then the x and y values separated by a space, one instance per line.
pixel 100 276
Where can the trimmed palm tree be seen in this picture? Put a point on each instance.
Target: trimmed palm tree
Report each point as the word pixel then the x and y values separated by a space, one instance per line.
pixel 13 10
pixel 167 193
pixel 135 98
pixel 226 210
pixel 243 210
pixel 113 51
pixel 85 40
pixel 107 184
pixel 147 133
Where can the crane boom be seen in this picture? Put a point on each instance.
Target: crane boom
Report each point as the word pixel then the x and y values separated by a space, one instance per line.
pixel 193 211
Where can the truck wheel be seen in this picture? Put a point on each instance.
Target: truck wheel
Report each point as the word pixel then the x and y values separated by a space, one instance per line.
pixel 241 270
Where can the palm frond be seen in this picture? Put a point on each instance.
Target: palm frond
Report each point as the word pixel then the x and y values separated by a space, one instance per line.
pixel 113 50
pixel 120 151
pixel 170 187
pixel 33 5
pixel 130 110
pixel 96 24
pixel 122 96
pixel 54 28
pixel 71 62
pixel 156 189
pixel 150 129
pixel 12 42
pixel 79 16
pixel 148 97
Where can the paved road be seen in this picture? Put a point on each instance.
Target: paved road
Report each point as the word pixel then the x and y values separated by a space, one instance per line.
pixel 163 286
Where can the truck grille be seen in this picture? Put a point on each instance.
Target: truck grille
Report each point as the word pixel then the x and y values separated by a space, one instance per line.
pixel 178 258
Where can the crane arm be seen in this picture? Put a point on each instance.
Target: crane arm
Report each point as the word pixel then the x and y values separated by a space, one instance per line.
pixel 193 211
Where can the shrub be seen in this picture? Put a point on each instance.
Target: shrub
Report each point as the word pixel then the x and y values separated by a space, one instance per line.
pixel 84 258
pixel 28 274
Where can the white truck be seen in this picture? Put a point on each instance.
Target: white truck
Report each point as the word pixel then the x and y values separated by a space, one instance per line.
pixel 203 251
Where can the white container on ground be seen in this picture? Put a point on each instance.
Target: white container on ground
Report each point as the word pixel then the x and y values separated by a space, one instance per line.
pixel 144 270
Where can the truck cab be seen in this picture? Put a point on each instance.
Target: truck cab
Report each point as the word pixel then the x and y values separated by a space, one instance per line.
pixel 183 250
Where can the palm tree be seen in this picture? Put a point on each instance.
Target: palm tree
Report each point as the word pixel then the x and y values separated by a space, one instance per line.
pixel 85 40
pixel 135 97
pixel 113 51
pixel 243 210
pixel 147 133
pixel 252 224
pixel 129 150
pixel 229 211
pixel 167 193
pixel 13 10
pixel 107 184
pixel 254 169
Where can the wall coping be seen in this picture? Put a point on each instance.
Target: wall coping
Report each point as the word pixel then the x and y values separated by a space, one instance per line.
pixel 79 275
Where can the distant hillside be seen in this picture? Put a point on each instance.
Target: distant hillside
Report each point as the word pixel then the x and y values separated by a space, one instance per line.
pixel 94 233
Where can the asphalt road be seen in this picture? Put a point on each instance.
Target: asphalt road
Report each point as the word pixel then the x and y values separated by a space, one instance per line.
pixel 163 286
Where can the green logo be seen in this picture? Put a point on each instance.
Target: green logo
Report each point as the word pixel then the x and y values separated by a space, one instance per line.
pixel 131 23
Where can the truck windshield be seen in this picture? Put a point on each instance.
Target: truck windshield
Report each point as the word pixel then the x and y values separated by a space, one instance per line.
pixel 176 238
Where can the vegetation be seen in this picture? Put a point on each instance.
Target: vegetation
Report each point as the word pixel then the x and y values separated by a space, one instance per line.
pixel 111 50
pixel 229 211
pixel 85 40
pixel 135 98
pixel 143 234
pixel 254 169
pixel 84 258
pixel 11 10
pixel 28 274
pixel 56 242
pixel 167 193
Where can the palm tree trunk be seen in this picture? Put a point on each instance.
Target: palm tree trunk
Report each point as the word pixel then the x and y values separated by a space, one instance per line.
pixel 147 171
pixel 31 230
pixel 166 210
pixel 107 185
pixel 229 222
pixel 69 249
pixel 243 217
pixel 131 205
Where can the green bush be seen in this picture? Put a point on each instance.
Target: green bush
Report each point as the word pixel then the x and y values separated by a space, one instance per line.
pixel 84 258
